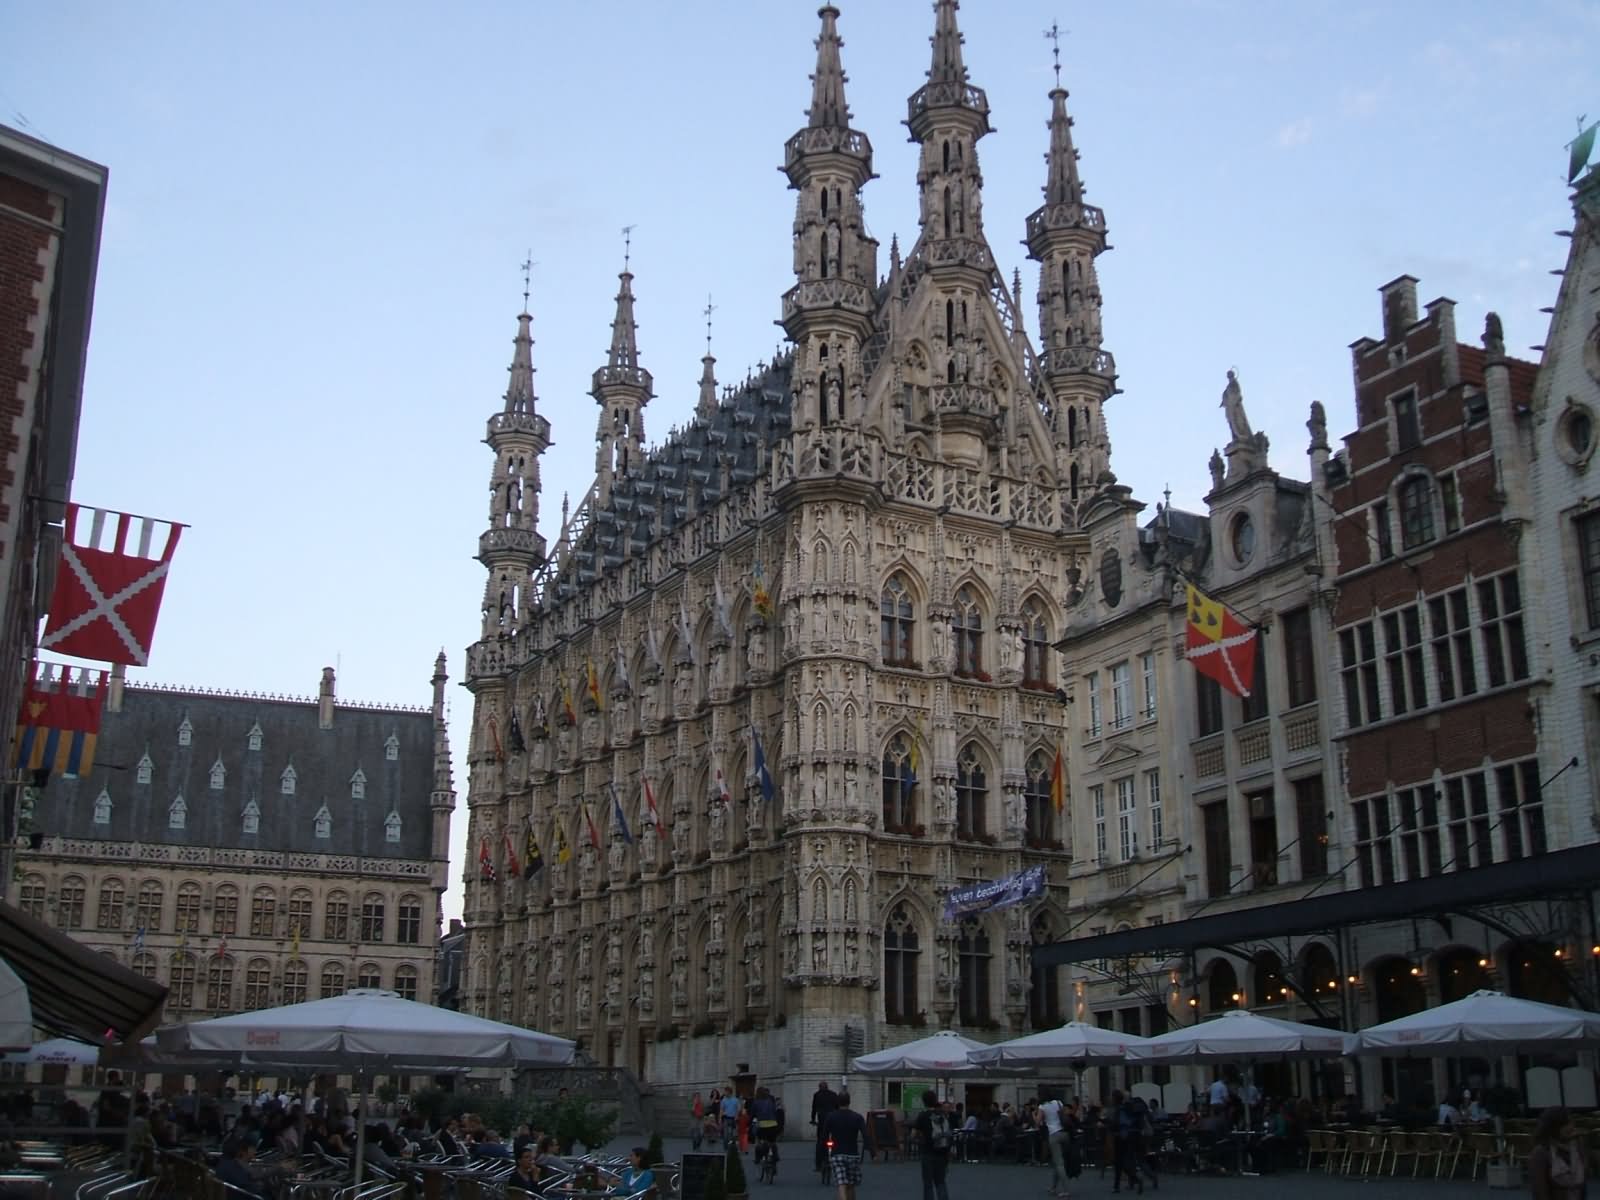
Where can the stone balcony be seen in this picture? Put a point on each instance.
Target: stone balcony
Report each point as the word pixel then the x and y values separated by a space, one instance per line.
pixel 1054 217
pixel 1078 360
pixel 827 293
pixel 503 426
pixel 813 142
pixel 635 378
pixel 524 542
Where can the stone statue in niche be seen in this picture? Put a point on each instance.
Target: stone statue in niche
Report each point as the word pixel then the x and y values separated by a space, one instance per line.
pixel 617 853
pixel 558 1007
pixel 585 1000
pixel 683 688
pixel 852 788
pixel 649 840
pixel 648 703
pixel 613 1000
pixel 647 988
pixel 585 953
pixel 566 742
pixel 1233 408
pixel 1219 469
pixel 680 837
pixel 852 954
pixel 558 963
pixel 719 824
pixel 719 665
pixel 753 965
pixel 593 732
pixel 755 653
pixel 718 927
pixel 680 986
pixel 1006 648
pixel 587 868
pixel 819 953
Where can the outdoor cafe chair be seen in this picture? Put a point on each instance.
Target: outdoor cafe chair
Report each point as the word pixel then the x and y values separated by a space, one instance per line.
pixel 1360 1144
pixel 1401 1145
pixel 1486 1148
pixel 1427 1145
pixel 1450 1145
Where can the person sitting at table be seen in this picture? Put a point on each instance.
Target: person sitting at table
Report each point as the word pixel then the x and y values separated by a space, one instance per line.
pixel 449 1138
pixel 491 1146
pixel 1472 1110
pixel 525 1175
pixel 636 1178
pixel 548 1159
pixel 1214 1138
pixel 233 1168
pixel 1449 1114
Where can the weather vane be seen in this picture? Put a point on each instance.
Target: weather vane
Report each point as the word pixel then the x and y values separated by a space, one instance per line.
pixel 527 278
pixel 708 310
pixel 627 244
pixel 1053 36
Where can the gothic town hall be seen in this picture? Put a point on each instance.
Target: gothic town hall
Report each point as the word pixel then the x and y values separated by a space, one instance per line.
pixel 786 678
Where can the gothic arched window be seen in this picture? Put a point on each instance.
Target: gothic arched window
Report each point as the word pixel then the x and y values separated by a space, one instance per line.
pixel 257 985
pixel 1035 646
pixel 294 981
pixel 967 625
pixel 69 904
pixel 1039 810
pixel 901 953
pixel 896 620
pixel 112 902
pixel 224 910
pixel 263 912
pixel 1044 994
pixel 188 916
pixel 972 794
pixel 899 785
pixel 973 957
pixel 180 984
pixel 332 980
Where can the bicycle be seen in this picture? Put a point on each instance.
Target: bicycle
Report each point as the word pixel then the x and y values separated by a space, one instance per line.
pixel 767 1159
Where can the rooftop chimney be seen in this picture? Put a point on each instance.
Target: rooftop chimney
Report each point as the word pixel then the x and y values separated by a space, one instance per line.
pixel 325 700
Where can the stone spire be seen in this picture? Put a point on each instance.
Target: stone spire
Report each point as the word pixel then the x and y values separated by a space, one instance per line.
pixel 1065 237
pixel 442 799
pixel 1061 185
pixel 706 408
pixel 511 546
pixel 519 393
pixel 947 40
pixel 828 109
pixel 947 116
pixel 622 389
pixel 827 314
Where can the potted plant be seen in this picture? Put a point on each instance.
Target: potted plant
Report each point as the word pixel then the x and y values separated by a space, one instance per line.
pixel 733 1180
pixel 654 1155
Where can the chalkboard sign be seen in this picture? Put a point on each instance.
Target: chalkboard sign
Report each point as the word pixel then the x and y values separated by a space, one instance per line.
pixel 881 1136
pixel 695 1173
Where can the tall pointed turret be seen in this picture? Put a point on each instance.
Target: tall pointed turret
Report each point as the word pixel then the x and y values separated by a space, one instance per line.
pixel 947 116
pixel 828 312
pixel 511 546
pixel 1065 236
pixel 707 406
pixel 828 109
pixel 442 800
pixel 622 389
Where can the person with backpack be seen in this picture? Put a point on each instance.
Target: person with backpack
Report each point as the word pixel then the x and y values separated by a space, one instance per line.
pixel 933 1127
pixel 1130 1117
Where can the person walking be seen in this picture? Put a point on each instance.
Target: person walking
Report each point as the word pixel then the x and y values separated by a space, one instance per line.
pixel 1119 1117
pixel 845 1131
pixel 1556 1166
pixel 730 1120
pixel 1055 1133
pixel 697 1120
pixel 823 1102
pixel 933 1127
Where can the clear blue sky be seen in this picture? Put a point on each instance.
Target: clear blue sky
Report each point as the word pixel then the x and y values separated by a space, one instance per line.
pixel 309 278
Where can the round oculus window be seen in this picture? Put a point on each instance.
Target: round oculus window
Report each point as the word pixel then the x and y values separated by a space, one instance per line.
pixel 1575 433
pixel 1242 537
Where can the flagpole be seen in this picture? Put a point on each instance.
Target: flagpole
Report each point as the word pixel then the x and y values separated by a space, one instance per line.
pixel 1251 622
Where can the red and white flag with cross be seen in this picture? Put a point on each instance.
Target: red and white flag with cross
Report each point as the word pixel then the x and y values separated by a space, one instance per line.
pixel 108 586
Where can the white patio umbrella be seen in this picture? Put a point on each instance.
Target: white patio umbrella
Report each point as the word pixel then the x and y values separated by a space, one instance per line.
pixel 16 1011
pixel 939 1054
pixel 1239 1036
pixel 58 1052
pixel 363 1031
pixel 1482 1021
pixel 1076 1041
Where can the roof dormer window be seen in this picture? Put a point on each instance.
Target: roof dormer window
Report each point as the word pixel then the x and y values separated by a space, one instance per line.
pixel 102 808
pixel 286 780
pixel 252 817
pixel 185 733
pixel 324 822
pixel 219 776
pixel 391 749
pixel 146 768
pixel 178 814
pixel 255 736
pixel 391 827
pixel 358 785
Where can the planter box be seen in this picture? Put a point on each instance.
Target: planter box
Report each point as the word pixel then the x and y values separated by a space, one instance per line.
pixel 1504 1175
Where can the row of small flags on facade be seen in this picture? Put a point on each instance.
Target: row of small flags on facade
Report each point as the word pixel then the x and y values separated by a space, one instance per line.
pixel 107 595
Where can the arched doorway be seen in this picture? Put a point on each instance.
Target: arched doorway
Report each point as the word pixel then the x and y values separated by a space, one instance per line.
pixel 1534 971
pixel 1398 991
pixel 1461 971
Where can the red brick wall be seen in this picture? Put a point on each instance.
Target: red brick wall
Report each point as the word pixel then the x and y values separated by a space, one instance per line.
pixel 20 275
pixel 1497 727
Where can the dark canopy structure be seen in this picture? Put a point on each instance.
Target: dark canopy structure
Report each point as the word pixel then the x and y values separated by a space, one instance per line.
pixel 1464 893
pixel 75 991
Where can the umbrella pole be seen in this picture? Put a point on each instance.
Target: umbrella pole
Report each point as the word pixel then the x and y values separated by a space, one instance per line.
pixel 361 1125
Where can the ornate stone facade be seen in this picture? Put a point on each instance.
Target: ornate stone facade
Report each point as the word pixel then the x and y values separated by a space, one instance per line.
pixel 855 562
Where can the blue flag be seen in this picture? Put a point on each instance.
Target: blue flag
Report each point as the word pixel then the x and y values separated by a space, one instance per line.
pixel 616 808
pixel 763 776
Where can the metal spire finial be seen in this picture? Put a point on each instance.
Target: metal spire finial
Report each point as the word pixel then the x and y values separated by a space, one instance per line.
pixel 527 278
pixel 707 311
pixel 1053 36
pixel 627 244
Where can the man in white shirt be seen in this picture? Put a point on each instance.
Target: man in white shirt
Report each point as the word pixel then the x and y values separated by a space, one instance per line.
pixel 1219 1093
pixel 1050 1113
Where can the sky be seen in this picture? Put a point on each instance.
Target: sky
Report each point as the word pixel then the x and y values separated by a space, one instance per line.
pixel 317 216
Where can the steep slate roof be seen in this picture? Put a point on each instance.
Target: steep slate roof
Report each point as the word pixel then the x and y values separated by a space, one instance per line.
pixel 744 427
pixel 324 761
